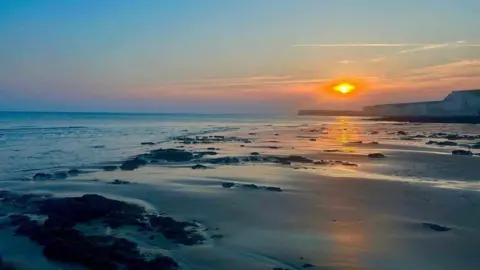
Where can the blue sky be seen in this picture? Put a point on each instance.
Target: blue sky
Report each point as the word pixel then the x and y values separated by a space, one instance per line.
pixel 232 56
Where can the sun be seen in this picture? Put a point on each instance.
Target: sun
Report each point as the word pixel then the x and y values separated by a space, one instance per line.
pixel 344 88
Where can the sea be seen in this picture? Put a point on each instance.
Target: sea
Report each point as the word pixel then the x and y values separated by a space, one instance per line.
pixel 32 142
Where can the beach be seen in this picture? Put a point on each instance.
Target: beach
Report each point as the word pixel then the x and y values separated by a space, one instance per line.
pixel 244 193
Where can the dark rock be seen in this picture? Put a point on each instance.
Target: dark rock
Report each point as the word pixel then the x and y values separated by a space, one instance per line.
pixel 228 184
pixel 277 189
pixel 212 148
pixel 177 231
pixel 110 168
pixel 401 132
pixel 254 153
pixel 42 176
pixel 332 151
pixel 374 143
pixel 224 160
pixel 313 140
pixel 444 143
pixel 120 182
pixel 252 133
pixel 356 142
pixel 298 159
pixel 17 219
pixel 283 161
pixel 148 143
pixel 90 207
pixel 60 175
pixel 242 145
pixel 250 186
pixel 170 154
pixel 199 167
pixel 206 153
pixel 133 164
pixel 376 155
pixel 274 147
pixel 461 153
pixel 436 227
pixel 74 172
pixel 307 265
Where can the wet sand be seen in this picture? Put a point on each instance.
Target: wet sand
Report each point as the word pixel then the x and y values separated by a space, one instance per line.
pixel 417 208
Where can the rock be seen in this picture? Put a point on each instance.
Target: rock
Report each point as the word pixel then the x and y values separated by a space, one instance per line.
pixel 374 132
pixel 356 142
pixel 313 140
pixel 444 143
pixel 298 159
pixel 250 186
pixel 283 161
pixel 307 265
pixel 462 153
pixel 42 176
pixel 212 149
pixel 254 153
pixel 176 231
pixel 242 145
pixel 147 143
pixel 224 160
pixel 436 227
pixel 170 154
pixel 376 155
pixel 332 151
pixel 60 175
pixel 374 142
pixel 91 207
pixel 74 172
pixel 277 189
pixel 133 164
pixel 274 147
pixel 228 184
pixel 110 168
pixel 199 167
pixel 17 219
pixel 206 153
pixel 252 133
pixel 120 182
pixel 401 132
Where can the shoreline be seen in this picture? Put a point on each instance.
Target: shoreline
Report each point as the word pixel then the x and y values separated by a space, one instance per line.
pixel 270 197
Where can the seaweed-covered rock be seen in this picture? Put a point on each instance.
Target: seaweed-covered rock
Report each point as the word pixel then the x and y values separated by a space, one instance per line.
pixel 254 153
pixel 180 232
pixel 42 176
pixel 224 160
pixel 90 207
pixel 60 175
pixel 199 167
pixel 277 189
pixel 133 164
pixel 74 172
pixel 250 186
pixel 120 182
pixel 436 227
pixel 170 154
pixel 228 184
pixel 147 143
pixel 298 159
pixel 462 153
pixel 110 168
pixel 376 155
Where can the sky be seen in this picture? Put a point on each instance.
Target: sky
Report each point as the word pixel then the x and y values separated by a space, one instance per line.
pixel 236 56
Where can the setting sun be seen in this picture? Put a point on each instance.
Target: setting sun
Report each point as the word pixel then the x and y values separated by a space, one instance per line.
pixel 344 88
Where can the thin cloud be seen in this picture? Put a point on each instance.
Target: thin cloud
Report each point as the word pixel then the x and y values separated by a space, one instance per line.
pixel 361 45
pixel 345 62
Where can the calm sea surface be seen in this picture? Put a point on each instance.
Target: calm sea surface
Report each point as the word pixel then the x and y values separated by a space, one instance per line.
pixel 32 141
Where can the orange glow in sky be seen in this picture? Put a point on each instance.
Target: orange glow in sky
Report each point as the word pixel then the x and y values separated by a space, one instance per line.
pixel 344 88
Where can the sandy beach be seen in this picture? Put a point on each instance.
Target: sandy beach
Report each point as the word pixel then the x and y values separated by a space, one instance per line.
pixel 273 197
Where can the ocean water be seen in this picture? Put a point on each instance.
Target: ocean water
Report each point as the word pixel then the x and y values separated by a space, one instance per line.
pixel 32 141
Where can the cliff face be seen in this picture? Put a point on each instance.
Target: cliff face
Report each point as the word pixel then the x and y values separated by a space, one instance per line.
pixel 457 103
